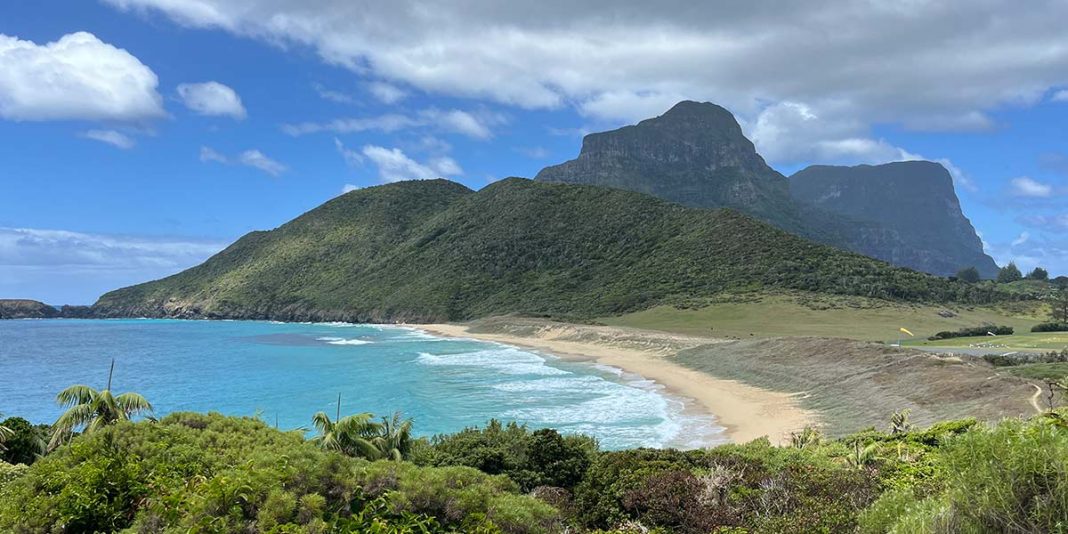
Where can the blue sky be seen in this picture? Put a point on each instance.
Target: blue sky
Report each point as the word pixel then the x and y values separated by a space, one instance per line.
pixel 140 136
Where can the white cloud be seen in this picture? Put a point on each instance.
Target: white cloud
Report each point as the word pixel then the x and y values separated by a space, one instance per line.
pixel 1052 223
pixel 39 263
pixel 334 96
pixel 618 107
pixel 382 123
pixel 111 137
pixel 256 159
pixel 77 77
pixel 920 64
pixel 1023 238
pixel 792 132
pixel 387 93
pixel 1060 96
pixel 351 157
pixel 29 246
pixel 1024 186
pixel 534 152
pixel 212 99
pixel 249 158
pixel 394 165
pixel 348 188
pixel 471 124
pixel 210 154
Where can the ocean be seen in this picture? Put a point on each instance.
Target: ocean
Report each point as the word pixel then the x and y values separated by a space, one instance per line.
pixel 285 372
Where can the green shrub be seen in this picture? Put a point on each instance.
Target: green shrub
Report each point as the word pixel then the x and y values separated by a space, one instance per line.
pixel 974 331
pixel 210 473
pixel 459 497
pixel 754 486
pixel 531 459
pixel 1025 358
pixel 26 443
pixel 10 472
pixel 1050 327
pixel 1010 478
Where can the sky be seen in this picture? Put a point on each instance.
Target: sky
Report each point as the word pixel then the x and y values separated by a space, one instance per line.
pixel 138 137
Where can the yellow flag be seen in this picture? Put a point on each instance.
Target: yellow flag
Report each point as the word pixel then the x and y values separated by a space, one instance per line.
pixel 906 331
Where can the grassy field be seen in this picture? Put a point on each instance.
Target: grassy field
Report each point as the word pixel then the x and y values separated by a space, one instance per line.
pixel 1021 341
pixel 808 315
pixel 1040 371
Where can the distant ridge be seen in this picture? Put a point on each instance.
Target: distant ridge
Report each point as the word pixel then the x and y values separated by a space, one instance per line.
pixel 436 251
pixel 915 199
pixel 695 154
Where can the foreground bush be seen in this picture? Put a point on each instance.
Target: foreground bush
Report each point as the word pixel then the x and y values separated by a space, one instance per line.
pixel 1009 478
pixel 530 458
pixel 210 473
pixel 754 486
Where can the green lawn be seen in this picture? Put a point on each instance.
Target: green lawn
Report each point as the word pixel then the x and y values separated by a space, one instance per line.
pixel 808 315
pixel 1018 341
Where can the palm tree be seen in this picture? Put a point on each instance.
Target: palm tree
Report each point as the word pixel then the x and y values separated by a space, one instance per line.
pixel 352 435
pixel 808 437
pixel 863 456
pixel 395 441
pixel 92 410
pixel 899 422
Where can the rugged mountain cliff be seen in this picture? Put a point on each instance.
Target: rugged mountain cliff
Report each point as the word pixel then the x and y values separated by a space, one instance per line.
pixel 914 199
pixel 696 155
pixel 435 251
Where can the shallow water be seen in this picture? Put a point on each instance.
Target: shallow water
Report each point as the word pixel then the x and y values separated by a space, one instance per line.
pixel 285 372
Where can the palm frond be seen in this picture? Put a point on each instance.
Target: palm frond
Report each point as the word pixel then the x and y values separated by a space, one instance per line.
pixel 75 417
pixel 132 404
pixel 76 394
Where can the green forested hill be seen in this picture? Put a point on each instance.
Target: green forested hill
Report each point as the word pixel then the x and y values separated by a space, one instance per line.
pixel 435 250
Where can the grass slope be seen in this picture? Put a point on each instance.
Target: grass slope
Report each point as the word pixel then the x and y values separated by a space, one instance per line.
pixel 434 251
pixel 807 314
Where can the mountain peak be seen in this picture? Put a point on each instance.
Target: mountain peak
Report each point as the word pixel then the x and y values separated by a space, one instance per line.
pixel 692 108
pixel 695 154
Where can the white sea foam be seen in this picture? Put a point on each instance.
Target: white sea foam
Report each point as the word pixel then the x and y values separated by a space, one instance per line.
pixel 342 341
pixel 506 360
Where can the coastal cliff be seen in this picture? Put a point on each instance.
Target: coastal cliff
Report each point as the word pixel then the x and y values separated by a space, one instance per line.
pixel 26 309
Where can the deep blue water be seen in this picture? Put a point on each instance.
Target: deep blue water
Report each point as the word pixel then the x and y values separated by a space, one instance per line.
pixel 287 372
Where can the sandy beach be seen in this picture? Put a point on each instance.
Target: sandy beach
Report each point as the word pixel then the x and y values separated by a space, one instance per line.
pixel 746 412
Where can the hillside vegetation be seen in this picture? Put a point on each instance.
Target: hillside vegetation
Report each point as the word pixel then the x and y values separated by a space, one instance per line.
pixel 437 251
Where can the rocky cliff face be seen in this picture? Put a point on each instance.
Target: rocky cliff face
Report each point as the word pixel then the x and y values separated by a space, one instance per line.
pixel 26 309
pixel 696 155
pixel 913 199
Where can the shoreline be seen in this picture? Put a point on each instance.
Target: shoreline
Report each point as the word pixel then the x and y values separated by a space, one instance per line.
pixel 745 412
